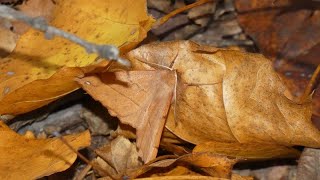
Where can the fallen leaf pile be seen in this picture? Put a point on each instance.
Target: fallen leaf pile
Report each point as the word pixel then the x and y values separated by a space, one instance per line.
pixel 230 105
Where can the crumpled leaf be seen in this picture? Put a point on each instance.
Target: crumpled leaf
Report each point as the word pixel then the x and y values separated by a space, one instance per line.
pixel 140 99
pixel 121 154
pixel 228 96
pixel 103 21
pixel 247 151
pixel 23 157
pixel 308 167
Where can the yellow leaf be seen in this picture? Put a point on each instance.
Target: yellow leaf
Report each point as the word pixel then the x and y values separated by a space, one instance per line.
pixel 115 22
pixel 27 158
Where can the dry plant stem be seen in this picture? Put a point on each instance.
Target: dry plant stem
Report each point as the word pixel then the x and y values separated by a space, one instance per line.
pixel 104 51
pixel 311 85
pixel 177 11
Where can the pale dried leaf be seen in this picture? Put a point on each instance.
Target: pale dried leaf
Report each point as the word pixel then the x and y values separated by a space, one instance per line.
pixel 120 154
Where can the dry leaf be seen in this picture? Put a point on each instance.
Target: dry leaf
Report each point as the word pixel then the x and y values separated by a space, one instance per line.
pixel 247 151
pixel 9 32
pixel 35 58
pixel 212 164
pixel 121 154
pixel 269 23
pixel 23 157
pixel 193 177
pixel 140 99
pixel 308 167
pixel 228 96
pixel 33 8
pixel 8 41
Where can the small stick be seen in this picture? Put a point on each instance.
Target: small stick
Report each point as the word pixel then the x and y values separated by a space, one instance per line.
pixel 82 157
pixel 39 23
pixel 311 85
pixel 177 11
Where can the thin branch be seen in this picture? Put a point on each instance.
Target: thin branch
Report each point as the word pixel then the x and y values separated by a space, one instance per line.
pixel 104 51
pixel 82 157
pixel 311 85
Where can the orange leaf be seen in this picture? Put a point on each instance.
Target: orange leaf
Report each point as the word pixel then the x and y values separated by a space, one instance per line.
pixel 23 157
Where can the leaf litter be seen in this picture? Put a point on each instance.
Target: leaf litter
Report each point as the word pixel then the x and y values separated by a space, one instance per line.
pixel 228 105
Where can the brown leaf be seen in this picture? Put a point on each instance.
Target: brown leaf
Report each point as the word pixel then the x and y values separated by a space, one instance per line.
pixel 138 98
pixel 8 41
pixel 193 177
pixel 247 151
pixel 23 157
pixel 269 23
pixel 228 96
pixel 308 167
pixel 212 164
pixel 121 154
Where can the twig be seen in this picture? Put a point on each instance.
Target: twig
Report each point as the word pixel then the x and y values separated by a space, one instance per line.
pixel 104 51
pixel 82 157
pixel 177 11
pixel 311 85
